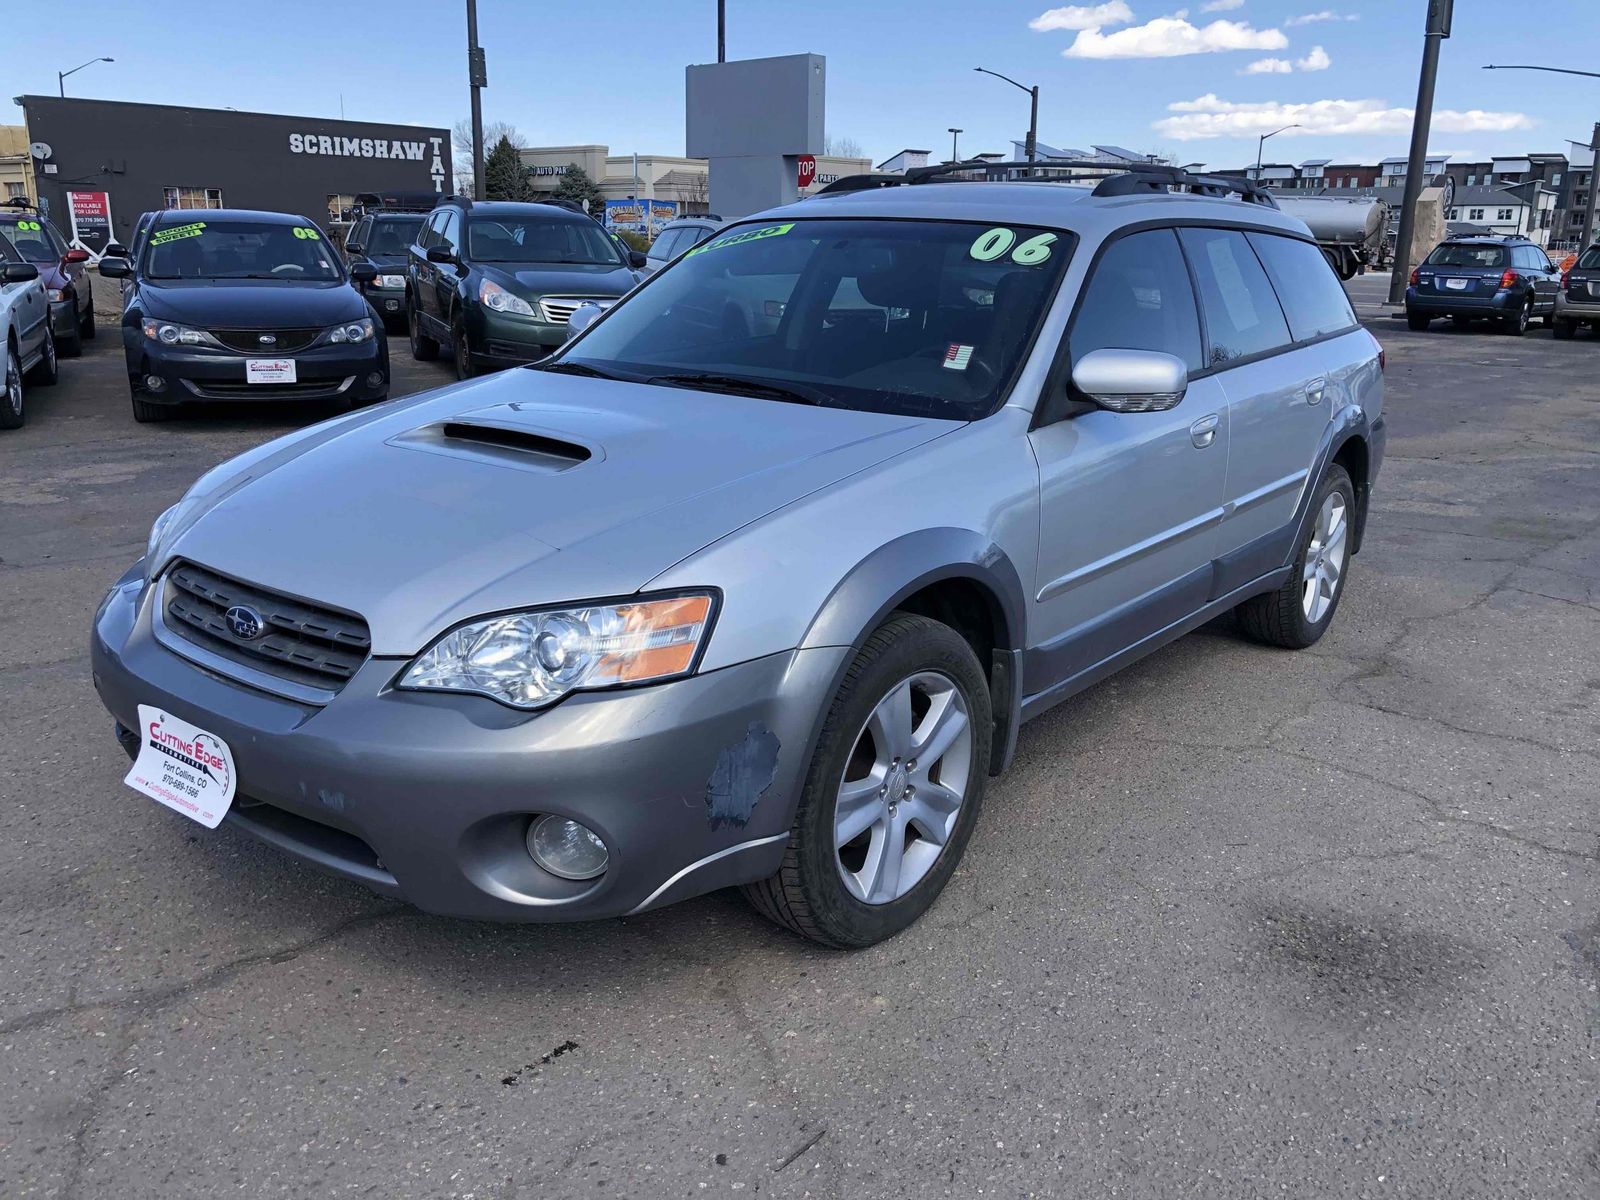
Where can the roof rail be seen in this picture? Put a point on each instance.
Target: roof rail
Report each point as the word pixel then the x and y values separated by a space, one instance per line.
pixel 1110 179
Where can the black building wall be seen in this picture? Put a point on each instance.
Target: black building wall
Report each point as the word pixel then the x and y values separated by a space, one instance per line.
pixel 256 160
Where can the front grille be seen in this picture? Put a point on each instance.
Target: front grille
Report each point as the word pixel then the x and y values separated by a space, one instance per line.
pixel 558 310
pixel 248 341
pixel 305 389
pixel 303 643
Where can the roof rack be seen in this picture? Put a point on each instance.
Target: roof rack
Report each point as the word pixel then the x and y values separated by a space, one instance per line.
pixel 415 202
pixel 21 204
pixel 1110 179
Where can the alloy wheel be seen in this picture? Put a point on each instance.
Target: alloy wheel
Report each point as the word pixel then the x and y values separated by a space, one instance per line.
pixel 13 384
pixel 1325 559
pixel 902 788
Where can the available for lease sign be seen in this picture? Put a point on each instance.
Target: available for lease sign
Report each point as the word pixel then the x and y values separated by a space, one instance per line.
pixel 91 219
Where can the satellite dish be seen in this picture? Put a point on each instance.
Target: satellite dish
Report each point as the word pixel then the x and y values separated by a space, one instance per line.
pixel 40 150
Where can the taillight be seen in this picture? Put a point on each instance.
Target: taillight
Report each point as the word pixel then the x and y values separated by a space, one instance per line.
pixel 1416 276
pixel 1383 360
pixel 1508 279
pixel 1566 280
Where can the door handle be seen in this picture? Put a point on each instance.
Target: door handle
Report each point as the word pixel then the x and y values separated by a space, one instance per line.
pixel 1204 431
pixel 1314 391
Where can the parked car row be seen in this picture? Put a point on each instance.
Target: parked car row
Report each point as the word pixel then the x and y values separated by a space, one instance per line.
pixel 46 307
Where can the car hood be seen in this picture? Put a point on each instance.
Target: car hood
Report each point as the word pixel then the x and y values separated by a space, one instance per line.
pixel 388 264
pixel 250 303
pixel 522 489
pixel 568 279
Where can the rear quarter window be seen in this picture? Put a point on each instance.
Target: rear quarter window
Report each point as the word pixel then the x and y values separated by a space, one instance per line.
pixel 1241 309
pixel 1313 300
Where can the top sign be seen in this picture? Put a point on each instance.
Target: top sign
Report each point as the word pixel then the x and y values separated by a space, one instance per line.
pixel 808 170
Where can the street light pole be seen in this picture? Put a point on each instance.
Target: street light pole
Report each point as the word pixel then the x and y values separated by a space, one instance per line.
pixel 1594 144
pixel 1437 29
pixel 1030 149
pixel 955 134
pixel 722 30
pixel 477 79
pixel 61 76
pixel 1262 141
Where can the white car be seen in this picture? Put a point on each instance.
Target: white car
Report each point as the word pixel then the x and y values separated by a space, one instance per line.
pixel 29 346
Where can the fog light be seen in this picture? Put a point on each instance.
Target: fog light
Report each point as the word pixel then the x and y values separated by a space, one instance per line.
pixel 566 848
pixel 375 379
pixel 155 383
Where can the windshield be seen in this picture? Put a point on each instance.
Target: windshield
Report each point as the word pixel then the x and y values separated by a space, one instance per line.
pixel 32 239
pixel 910 317
pixel 1590 258
pixel 540 240
pixel 393 236
pixel 214 249
pixel 1465 255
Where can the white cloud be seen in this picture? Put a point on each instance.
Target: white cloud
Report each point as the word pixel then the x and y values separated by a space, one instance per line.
pixel 1221 5
pixel 1170 37
pixel 1268 66
pixel 1083 16
pixel 1209 116
pixel 1317 60
pixel 1326 14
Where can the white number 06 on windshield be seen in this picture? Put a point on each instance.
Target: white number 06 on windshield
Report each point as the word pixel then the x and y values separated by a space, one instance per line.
pixel 182 766
pixel 995 242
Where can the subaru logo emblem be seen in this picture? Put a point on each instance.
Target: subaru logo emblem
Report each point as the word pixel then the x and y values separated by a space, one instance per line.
pixel 268 339
pixel 244 623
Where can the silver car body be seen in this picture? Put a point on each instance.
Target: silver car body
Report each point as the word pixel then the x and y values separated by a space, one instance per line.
pixel 1089 541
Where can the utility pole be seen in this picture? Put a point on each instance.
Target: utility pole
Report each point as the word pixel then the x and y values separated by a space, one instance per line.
pixel 1262 141
pixel 722 30
pixel 955 135
pixel 1438 28
pixel 1594 144
pixel 1030 148
pixel 478 79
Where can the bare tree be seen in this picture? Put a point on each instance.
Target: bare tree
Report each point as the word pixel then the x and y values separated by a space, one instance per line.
pixel 461 143
pixel 697 192
pixel 841 147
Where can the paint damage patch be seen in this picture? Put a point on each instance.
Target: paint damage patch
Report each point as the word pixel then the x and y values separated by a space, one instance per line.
pixel 744 771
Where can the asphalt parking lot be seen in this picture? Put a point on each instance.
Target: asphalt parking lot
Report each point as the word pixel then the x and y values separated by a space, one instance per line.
pixel 1239 923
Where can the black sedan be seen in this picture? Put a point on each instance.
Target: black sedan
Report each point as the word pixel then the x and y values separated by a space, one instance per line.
pixel 237 305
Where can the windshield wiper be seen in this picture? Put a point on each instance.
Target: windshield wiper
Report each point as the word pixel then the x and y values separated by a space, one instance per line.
pixel 739 385
pixel 570 367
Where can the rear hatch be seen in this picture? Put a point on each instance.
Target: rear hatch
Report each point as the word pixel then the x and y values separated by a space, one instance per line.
pixel 1464 270
pixel 1583 281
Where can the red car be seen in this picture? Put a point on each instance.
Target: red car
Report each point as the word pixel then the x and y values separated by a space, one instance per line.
pixel 61 271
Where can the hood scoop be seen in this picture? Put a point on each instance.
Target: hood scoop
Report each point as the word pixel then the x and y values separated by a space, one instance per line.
pixel 500 444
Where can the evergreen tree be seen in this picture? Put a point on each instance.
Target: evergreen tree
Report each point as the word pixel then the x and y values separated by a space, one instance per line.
pixel 576 185
pixel 503 174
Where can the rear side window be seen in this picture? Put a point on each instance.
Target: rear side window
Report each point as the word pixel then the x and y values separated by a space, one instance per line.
pixel 667 244
pixel 1590 258
pixel 1465 254
pixel 1139 298
pixel 1313 299
pixel 1242 312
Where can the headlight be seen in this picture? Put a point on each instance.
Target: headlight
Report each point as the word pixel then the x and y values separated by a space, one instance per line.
pixel 531 659
pixel 56 294
pixel 170 334
pixel 391 282
pixel 356 331
pixel 156 530
pixel 497 298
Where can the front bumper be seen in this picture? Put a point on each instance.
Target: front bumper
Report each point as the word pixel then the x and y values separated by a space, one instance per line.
pixel 428 797
pixel 1503 303
pixel 64 318
pixel 388 303
pixel 357 373
pixel 508 340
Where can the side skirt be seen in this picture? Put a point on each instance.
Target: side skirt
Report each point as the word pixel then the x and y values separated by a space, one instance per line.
pixel 1040 702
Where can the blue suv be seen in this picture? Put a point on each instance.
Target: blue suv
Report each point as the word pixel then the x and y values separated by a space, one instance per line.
pixel 1508 280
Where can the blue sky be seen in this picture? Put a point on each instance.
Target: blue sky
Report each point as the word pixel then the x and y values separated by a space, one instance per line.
pixel 899 71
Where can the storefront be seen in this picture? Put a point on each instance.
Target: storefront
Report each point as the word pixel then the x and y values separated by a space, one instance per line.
pixel 107 161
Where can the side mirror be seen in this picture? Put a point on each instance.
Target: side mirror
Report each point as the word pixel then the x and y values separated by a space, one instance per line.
pixel 354 248
pixel 20 272
pixel 116 267
pixel 636 259
pixel 75 256
pixel 1131 381
pixel 585 315
pixel 363 273
pixel 115 250
pixel 441 254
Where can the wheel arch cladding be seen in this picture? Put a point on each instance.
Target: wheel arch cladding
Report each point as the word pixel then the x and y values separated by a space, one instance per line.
pixel 956 576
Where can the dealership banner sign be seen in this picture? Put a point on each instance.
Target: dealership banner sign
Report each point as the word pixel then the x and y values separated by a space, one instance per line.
pixel 640 216
pixel 90 213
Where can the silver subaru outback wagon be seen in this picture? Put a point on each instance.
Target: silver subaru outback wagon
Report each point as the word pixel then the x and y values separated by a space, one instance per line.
pixel 754 582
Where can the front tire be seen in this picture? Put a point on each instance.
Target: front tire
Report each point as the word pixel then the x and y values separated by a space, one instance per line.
pixel 1299 613
pixel 87 329
pixel 147 413
pixel 46 370
pixel 71 345
pixel 893 790
pixel 12 413
pixel 461 350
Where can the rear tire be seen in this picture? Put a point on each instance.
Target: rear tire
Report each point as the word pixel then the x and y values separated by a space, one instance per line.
pixel 1518 325
pixel 423 347
pixel 926 674
pixel 1564 327
pixel 1417 321
pixel 1297 614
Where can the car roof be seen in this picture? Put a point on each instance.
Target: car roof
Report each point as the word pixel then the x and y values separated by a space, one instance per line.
pixel 521 208
pixel 185 216
pixel 1067 206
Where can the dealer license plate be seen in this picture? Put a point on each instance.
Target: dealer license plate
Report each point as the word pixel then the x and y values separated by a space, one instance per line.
pixel 1457 285
pixel 269 370
pixel 182 766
